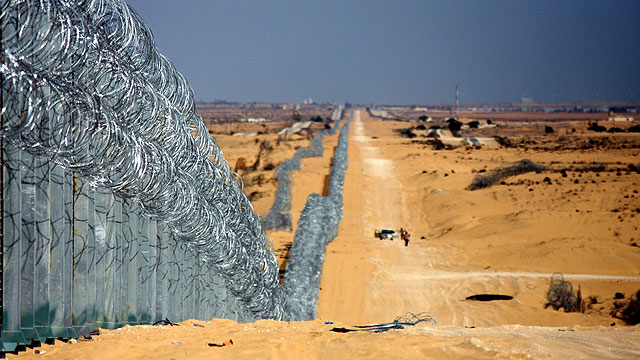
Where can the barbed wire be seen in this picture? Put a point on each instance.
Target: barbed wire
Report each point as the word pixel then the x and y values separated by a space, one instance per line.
pixel 279 216
pixel 317 227
pixel 83 84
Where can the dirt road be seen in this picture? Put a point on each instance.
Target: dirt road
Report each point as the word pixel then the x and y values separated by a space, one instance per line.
pixel 366 280
pixel 373 200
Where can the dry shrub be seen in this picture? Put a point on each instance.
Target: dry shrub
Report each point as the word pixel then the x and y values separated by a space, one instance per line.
pixel 241 165
pixel 406 132
pixel 628 311
pixel 270 166
pixel 597 128
pixel 254 196
pixel 634 129
pixel 503 141
pixel 258 180
pixel 497 175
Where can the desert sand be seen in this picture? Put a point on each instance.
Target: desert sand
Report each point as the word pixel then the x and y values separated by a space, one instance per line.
pixel 506 239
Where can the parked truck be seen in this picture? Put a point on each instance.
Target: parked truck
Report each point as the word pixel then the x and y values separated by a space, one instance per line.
pixel 386 234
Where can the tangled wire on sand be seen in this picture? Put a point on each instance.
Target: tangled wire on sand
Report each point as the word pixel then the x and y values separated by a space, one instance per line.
pixel 560 295
pixel 409 319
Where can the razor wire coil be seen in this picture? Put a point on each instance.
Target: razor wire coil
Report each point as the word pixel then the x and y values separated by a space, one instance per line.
pixel 317 227
pixel 83 84
pixel 279 215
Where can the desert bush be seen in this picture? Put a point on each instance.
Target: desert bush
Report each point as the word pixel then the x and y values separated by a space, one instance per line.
pixel 421 127
pixel 241 165
pixel 254 196
pixel 503 141
pixel 548 129
pixel 615 130
pixel 597 128
pixel 497 175
pixel 454 126
pixel 473 124
pixel 634 129
pixel 631 313
pixel 406 132
pixel 269 167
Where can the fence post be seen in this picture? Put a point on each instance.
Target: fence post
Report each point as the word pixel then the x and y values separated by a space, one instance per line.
pixel 120 271
pixel 12 335
pixel 142 284
pixel 100 232
pixel 175 294
pixel 67 257
pixel 106 211
pixel 188 283
pixel 83 301
pixel 27 248
pixel 80 229
pixel 130 230
pixel 43 246
pixel 152 268
pixel 61 252
pixel 162 272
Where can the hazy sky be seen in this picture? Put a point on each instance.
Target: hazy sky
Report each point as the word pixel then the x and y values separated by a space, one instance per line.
pixel 402 51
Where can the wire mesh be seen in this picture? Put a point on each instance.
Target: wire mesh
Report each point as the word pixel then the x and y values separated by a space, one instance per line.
pixel 84 85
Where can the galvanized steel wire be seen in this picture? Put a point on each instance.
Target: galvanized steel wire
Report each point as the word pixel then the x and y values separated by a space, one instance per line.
pixel 279 216
pixel 317 227
pixel 83 83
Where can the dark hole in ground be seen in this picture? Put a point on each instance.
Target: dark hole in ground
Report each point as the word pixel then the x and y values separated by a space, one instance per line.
pixel 489 297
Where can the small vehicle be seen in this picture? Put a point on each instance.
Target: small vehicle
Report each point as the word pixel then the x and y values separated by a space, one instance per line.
pixel 386 234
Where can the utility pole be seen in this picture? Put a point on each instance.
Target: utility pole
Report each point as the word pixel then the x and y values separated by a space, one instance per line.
pixel 457 102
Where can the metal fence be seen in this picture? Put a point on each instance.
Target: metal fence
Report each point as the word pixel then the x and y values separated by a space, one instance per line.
pixel 76 257
pixel 117 206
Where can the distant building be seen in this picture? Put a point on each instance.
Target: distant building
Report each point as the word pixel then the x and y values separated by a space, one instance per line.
pixel 620 118
pixel 527 100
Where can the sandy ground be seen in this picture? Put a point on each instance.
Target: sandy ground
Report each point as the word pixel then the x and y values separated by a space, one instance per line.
pixel 504 240
pixel 507 239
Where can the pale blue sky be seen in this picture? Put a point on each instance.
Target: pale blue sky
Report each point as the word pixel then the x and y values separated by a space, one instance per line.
pixel 401 52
